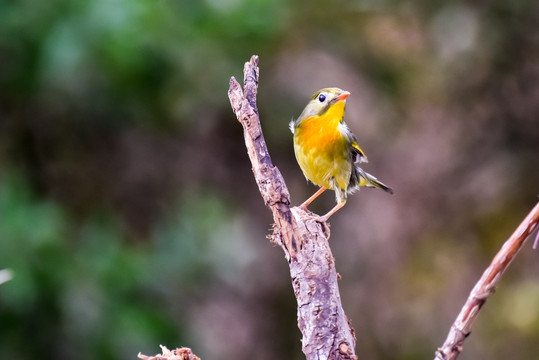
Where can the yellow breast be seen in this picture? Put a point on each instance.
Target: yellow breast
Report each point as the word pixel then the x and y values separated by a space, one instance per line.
pixel 321 149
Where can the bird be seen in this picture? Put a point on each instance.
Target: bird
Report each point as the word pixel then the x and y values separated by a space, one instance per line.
pixel 327 151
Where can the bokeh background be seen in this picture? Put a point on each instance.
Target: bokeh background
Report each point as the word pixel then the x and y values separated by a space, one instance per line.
pixel 129 216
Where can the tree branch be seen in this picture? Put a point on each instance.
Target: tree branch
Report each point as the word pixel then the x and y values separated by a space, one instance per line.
pixel 462 326
pixel 178 354
pixel 321 319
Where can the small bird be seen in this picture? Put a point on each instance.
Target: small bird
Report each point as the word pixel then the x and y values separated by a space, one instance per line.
pixel 326 150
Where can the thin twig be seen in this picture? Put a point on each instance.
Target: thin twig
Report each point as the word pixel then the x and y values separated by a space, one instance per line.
pixel 321 319
pixel 462 326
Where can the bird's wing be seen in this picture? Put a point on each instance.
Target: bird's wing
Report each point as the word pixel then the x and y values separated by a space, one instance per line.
pixel 358 156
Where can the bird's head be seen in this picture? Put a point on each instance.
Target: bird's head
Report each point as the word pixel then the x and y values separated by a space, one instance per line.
pixel 321 101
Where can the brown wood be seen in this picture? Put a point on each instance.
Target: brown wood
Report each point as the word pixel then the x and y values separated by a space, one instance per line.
pixel 486 285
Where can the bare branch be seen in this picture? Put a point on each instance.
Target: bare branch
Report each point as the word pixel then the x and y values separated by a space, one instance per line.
pixel 462 326
pixel 178 354
pixel 321 319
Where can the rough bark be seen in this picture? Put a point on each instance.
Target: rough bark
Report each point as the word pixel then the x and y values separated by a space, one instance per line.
pixel 303 238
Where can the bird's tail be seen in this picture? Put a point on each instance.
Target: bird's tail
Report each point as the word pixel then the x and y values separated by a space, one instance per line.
pixel 366 179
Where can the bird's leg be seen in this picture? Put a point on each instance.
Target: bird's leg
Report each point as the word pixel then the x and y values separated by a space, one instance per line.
pixel 333 211
pixel 314 196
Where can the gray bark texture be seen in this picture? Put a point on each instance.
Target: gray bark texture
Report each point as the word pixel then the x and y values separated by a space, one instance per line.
pixel 326 331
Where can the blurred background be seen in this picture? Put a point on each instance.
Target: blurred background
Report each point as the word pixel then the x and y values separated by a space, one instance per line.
pixel 129 216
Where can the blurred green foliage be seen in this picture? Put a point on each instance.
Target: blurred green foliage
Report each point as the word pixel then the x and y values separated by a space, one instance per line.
pixel 128 213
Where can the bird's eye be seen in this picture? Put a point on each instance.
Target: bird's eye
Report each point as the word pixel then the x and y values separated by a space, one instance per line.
pixel 322 97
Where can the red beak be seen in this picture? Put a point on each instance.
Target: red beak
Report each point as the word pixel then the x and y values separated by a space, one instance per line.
pixel 342 96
